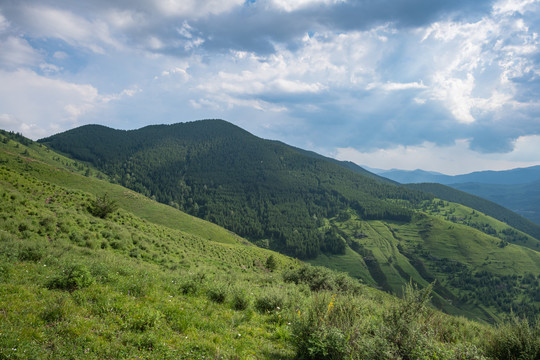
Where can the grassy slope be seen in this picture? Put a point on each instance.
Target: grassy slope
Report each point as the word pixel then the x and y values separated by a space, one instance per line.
pixel 58 169
pixel 393 253
pixel 76 286
pixel 481 204
pixel 135 304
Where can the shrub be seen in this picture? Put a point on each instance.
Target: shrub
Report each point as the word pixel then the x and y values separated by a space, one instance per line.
pixel 193 285
pixel 516 339
pixel 217 294
pixel 59 310
pixel 73 277
pixel 405 324
pixel 271 263
pixel 102 206
pixel 269 302
pixel 142 318
pixel 31 252
pixel 319 278
pixel 240 300
pixel 190 287
pixel 316 335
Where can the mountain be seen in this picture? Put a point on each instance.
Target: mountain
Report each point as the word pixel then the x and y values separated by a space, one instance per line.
pixel 415 176
pixel 263 190
pixel 506 177
pixel 523 199
pixel 145 280
pixel 310 207
pixel 516 189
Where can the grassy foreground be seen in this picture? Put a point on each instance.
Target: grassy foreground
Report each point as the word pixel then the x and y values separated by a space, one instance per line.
pixel 134 285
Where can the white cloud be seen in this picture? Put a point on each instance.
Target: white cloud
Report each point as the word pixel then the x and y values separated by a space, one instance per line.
pixel 453 159
pixel 75 30
pixel 42 105
pixel 4 24
pixel 324 61
pixel 16 52
pixel 292 5
pixel 195 8
pixel 526 149
pixel 60 55
pixel 495 49
pixel 124 19
pixel 511 6
pixel 394 86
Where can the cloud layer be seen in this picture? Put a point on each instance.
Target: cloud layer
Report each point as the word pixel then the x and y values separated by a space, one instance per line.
pixel 350 78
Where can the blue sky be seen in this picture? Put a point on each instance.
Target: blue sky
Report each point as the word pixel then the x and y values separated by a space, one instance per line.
pixel 449 86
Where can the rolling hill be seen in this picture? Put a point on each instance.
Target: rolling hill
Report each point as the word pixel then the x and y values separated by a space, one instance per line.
pixel 516 189
pixel 478 203
pixel 309 207
pixel 521 198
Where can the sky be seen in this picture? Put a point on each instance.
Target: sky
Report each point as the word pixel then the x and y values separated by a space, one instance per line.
pixel 447 86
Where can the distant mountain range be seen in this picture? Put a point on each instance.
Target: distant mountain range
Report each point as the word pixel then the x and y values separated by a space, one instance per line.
pixel 516 189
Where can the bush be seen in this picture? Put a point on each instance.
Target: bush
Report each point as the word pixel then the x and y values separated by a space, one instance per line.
pixel 31 252
pixel 269 302
pixel 73 277
pixel 102 206
pixel 271 263
pixel 317 335
pixel 406 324
pixel 193 285
pixel 515 340
pixel 240 300
pixel 143 318
pixel 217 294
pixel 59 310
pixel 319 278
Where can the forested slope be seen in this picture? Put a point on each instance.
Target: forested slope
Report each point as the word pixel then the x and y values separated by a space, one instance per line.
pixel 260 189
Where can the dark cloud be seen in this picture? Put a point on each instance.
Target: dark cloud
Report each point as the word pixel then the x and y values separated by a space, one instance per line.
pixel 256 27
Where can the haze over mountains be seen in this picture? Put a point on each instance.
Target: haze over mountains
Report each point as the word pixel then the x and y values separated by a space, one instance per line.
pixel 516 189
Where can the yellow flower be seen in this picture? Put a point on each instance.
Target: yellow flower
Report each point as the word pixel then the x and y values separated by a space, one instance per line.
pixel 331 305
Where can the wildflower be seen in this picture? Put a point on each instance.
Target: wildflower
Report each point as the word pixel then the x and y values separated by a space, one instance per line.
pixel 331 305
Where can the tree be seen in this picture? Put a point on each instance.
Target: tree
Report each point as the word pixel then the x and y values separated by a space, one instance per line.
pixel 271 263
pixel 102 206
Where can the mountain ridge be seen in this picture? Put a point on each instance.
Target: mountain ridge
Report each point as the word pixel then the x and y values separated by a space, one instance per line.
pixel 515 176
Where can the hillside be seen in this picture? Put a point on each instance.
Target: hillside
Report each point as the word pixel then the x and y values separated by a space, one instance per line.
pixel 305 206
pixel 263 190
pixel 516 189
pixel 481 204
pixel 145 281
pixel 523 198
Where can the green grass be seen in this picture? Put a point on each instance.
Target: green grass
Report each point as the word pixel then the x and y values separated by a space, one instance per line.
pixel 68 173
pixel 390 254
